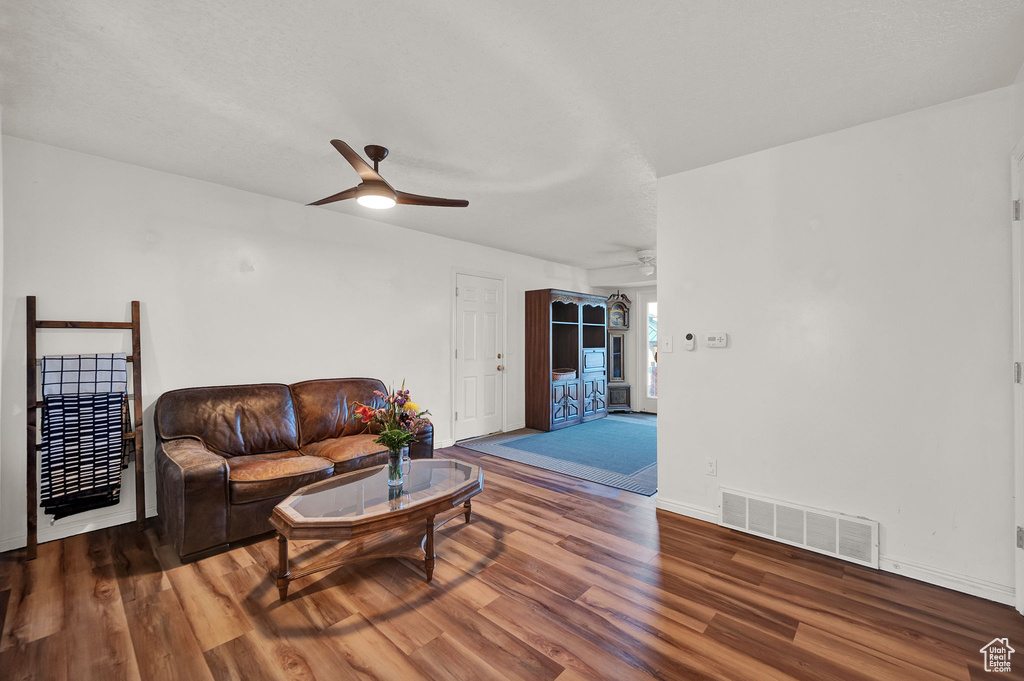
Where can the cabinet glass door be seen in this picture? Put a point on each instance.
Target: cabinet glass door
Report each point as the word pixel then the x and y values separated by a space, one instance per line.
pixel 616 348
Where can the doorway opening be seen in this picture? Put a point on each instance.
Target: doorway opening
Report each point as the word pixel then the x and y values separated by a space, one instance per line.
pixel 597 355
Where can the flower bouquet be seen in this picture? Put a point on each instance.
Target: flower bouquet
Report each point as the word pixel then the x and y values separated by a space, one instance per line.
pixel 399 419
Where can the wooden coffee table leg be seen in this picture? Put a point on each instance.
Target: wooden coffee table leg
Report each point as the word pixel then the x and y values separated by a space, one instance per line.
pixel 282 568
pixel 428 549
pixel 469 509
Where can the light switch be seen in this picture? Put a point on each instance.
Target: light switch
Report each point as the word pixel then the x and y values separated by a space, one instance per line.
pixel 716 340
pixel 665 343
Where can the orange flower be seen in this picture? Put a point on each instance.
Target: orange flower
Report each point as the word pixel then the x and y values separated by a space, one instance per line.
pixel 365 412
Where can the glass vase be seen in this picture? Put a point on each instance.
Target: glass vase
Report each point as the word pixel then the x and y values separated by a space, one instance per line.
pixel 398 460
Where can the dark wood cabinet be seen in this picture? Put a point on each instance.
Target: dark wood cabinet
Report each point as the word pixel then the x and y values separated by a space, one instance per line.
pixel 594 360
pixel 565 399
pixel 595 400
pixel 567 332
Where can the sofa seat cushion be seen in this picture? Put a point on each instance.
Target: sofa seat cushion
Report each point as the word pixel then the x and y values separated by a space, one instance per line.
pixel 264 476
pixel 349 452
pixel 337 449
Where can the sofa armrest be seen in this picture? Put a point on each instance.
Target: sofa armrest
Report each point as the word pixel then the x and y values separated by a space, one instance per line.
pixel 423 448
pixel 192 495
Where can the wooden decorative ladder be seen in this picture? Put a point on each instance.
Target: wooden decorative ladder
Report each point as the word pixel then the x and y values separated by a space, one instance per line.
pixel 35 403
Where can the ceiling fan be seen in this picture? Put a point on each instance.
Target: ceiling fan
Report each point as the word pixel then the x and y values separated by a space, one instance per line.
pixel 374 191
pixel 645 260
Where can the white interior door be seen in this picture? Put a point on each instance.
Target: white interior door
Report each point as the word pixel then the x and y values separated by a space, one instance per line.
pixel 646 317
pixel 1017 174
pixel 479 356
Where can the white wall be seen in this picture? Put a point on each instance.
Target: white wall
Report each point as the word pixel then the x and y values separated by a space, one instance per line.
pixel 864 277
pixel 235 288
pixel 1018 105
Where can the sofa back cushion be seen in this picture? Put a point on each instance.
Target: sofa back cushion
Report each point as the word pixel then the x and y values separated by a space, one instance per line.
pixel 234 420
pixel 324 407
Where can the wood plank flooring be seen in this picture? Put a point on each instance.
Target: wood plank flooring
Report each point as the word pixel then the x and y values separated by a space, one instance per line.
pixel 555 579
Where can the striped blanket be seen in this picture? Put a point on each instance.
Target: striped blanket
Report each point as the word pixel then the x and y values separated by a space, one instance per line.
pixel 84 416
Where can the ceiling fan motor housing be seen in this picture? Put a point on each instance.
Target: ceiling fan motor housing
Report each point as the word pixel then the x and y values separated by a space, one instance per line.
pixel 376 153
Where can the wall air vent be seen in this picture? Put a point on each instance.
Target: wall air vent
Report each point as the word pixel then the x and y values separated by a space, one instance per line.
pixel 833 534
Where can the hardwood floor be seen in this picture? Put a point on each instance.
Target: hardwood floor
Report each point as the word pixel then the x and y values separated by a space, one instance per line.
pixel 555 578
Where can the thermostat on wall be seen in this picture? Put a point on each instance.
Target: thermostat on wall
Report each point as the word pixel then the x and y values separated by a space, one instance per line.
pixel 716 340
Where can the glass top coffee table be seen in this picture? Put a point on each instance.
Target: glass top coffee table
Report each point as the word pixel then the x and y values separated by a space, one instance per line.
pixel 373 520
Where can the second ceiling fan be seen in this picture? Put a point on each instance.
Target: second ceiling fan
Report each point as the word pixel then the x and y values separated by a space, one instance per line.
pixel 374 191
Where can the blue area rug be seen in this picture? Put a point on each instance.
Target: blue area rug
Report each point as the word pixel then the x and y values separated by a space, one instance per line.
pixel 612 445
pixel 619 451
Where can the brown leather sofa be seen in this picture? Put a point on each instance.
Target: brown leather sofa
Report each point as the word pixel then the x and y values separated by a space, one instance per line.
pixel 226 455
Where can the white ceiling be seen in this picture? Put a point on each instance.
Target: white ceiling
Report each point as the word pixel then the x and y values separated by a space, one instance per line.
pixel 552 118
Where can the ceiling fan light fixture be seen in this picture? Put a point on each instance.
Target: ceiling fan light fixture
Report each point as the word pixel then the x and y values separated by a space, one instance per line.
pixel 646 270
pixel 375 196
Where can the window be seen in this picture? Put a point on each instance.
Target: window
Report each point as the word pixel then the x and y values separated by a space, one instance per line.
pixel 652 349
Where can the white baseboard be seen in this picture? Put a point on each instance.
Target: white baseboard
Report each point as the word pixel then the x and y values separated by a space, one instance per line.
pixel 1000 593
pixel 690 511
pixel 446 443
pixel 47 532
pixel 515 426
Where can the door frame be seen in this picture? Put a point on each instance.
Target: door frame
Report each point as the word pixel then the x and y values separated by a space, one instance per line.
pixel 453 344
pixel 1017 194
pixel 642 298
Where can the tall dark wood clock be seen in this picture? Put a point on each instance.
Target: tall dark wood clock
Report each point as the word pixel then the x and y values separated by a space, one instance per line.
pixel 618 325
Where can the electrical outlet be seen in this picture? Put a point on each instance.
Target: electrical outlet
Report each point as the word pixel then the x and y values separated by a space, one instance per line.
pixel 711 466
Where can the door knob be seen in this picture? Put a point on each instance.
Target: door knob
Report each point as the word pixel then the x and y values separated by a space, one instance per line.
pixel 501 367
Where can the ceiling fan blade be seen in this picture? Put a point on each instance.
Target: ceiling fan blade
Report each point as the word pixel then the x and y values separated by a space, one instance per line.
pixel 340 196
pixel 357 162
pixel 417 200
